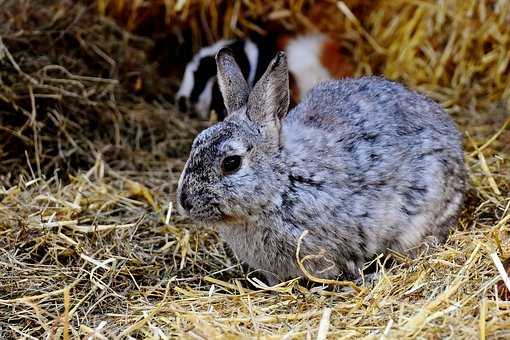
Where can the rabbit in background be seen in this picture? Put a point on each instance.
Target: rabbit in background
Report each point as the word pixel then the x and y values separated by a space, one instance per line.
pixel 312 58
pixel 364 165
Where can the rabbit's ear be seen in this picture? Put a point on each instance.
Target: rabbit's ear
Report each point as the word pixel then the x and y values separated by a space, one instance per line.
pixel 269 101
pixel 233 86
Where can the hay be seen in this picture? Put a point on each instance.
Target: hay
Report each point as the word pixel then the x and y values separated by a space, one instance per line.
pixel 91 151
pixel 70 77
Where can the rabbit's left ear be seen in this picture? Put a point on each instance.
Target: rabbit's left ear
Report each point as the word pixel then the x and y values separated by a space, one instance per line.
pixel 269 101
pixel 233 86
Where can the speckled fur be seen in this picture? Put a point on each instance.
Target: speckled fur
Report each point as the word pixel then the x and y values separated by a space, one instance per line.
pixel 364 165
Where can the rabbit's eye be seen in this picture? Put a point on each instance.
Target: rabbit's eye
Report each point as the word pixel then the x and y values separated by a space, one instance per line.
pixel 231 164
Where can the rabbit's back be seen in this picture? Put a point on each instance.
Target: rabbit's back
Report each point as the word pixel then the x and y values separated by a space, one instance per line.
pixel 384 160
pixel 371 102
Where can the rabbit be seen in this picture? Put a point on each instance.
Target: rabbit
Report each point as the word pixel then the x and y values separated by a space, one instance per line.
pixel 363 164
pixel 199 92
pixel 311 58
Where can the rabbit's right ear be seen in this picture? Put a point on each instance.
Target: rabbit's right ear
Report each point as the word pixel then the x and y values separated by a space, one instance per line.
pixel 269 101
pixel 233 86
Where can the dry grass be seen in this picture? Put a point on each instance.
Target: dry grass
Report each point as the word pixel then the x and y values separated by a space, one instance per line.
pixel 91 151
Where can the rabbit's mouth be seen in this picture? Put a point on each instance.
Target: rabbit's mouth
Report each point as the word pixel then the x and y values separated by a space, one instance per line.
pixel 207 214
pixel 212 214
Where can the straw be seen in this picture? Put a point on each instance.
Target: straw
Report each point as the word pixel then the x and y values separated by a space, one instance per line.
pixel 91 149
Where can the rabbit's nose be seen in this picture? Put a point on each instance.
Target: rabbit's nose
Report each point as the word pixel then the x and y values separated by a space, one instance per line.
pixel 181 104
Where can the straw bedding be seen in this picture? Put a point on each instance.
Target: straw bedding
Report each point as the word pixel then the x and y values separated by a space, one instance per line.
pixel 91 149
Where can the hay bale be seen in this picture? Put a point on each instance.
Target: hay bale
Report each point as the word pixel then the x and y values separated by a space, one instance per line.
pixel 94 250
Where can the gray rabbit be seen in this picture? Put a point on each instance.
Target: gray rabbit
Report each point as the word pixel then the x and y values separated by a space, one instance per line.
pixel 365 165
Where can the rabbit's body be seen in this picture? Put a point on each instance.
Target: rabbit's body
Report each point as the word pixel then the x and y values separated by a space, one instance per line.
pixel 364 165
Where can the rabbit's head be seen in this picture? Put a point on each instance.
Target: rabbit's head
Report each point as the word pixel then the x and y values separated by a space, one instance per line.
pixel 233 168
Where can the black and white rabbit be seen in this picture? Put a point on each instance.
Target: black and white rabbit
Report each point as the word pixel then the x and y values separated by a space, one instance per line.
pixel 365 165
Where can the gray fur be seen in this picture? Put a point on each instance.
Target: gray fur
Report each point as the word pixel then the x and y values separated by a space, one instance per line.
pixel 269 100
pixel 233 86
pixel 363 164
